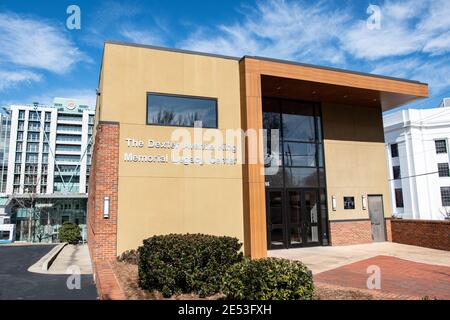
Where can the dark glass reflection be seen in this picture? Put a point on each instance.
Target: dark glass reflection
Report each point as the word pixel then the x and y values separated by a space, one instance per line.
pixel 301 177
pixel 299 154
pixel 294 206
pixel 181 111
pixel 274 179
pixel 275 207
pixel 277 237
pixel 296 236
pixel 298 121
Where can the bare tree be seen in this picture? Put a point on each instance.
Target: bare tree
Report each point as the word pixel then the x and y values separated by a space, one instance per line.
pixel 445 211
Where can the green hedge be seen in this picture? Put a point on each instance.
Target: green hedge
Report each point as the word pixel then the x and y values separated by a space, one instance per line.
pixel 268 279
pixel 188 263
pixel 70 232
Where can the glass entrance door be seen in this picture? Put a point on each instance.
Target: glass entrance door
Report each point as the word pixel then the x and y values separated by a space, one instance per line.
pixel 311 217
pixel 276 234
pixel 293 218
pixel 294 211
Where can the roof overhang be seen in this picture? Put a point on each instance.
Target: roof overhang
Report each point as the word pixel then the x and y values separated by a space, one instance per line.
pixel 314 83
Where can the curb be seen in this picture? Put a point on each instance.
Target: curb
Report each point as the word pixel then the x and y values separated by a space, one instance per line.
pixel 50 257
pixel 46 261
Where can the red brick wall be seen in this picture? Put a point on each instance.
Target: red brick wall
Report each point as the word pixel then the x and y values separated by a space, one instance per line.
pixel 388 230
pixel 354 232
pixel 103 182
pixel 422 233
pixel 350 232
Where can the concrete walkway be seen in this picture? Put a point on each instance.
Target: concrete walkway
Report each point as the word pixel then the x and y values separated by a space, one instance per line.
pixel 320 259
pixel 72 256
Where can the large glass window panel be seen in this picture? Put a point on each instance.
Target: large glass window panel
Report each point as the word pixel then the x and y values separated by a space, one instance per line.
pixel 313 233
pixel 277 237
pixel 272 125
pixel 296 236
pixel 298 121
pixel 274 179
pixel 299 154
pixel 301 177
pixel 320 155
pixel 322 181
pixel 294 206
pixel 319 129
pixel 276 207
pixel 183 111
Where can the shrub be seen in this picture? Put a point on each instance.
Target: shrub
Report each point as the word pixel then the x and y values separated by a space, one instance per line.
pixel 70 232
pixel 268 279
pixel 130 256
pixel 188 263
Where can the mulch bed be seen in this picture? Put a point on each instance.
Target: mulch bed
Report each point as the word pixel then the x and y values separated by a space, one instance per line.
pixel 127 275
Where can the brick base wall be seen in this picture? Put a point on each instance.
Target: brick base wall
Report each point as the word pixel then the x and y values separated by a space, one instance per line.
pixel 103 182
pixel 354 232
pixel 388 230
pixel 350 232
pixel 422 233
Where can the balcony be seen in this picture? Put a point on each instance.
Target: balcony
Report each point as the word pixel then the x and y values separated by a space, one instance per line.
pixel 69 187
pixel 69 130
pixel 34 128
pixel 70 120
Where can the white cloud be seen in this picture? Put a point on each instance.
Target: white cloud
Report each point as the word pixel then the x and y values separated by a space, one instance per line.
pixel 439 45
pixel 9 79
pixel 434 72
pixel 32 43
pixel 141 37
pixel 407 27
pixel 281 29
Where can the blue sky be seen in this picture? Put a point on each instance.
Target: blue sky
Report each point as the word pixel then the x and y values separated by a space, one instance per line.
pixel 40 58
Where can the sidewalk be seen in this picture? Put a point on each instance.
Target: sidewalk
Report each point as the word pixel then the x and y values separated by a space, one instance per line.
pixel 72 256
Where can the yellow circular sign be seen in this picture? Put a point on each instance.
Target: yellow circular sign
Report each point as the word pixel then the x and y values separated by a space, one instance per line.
pixel 71 105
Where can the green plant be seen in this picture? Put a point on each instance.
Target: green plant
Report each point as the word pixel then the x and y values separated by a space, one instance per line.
pixel 268 279
pixel 187 263
pixel 70 232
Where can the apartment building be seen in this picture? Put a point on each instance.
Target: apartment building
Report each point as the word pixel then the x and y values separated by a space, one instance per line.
pixel 48 166
pixel 417 143
pixel 5 131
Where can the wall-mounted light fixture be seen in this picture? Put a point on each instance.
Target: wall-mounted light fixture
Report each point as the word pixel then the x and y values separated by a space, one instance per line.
pixel 333 203
pixel 106 207
pixel 364 202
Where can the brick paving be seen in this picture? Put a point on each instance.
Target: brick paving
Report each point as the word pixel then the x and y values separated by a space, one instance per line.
pixel 400 279
pixel 107 284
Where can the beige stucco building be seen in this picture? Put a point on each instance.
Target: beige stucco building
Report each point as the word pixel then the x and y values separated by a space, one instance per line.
pixel 179 149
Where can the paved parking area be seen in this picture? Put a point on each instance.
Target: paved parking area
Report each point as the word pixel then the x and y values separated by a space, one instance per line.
pixel 399 278
pixel 17 283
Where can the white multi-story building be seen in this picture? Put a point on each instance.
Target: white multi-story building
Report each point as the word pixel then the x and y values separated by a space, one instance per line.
pixel 48 166
pixel 49 148
pixel 417 142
